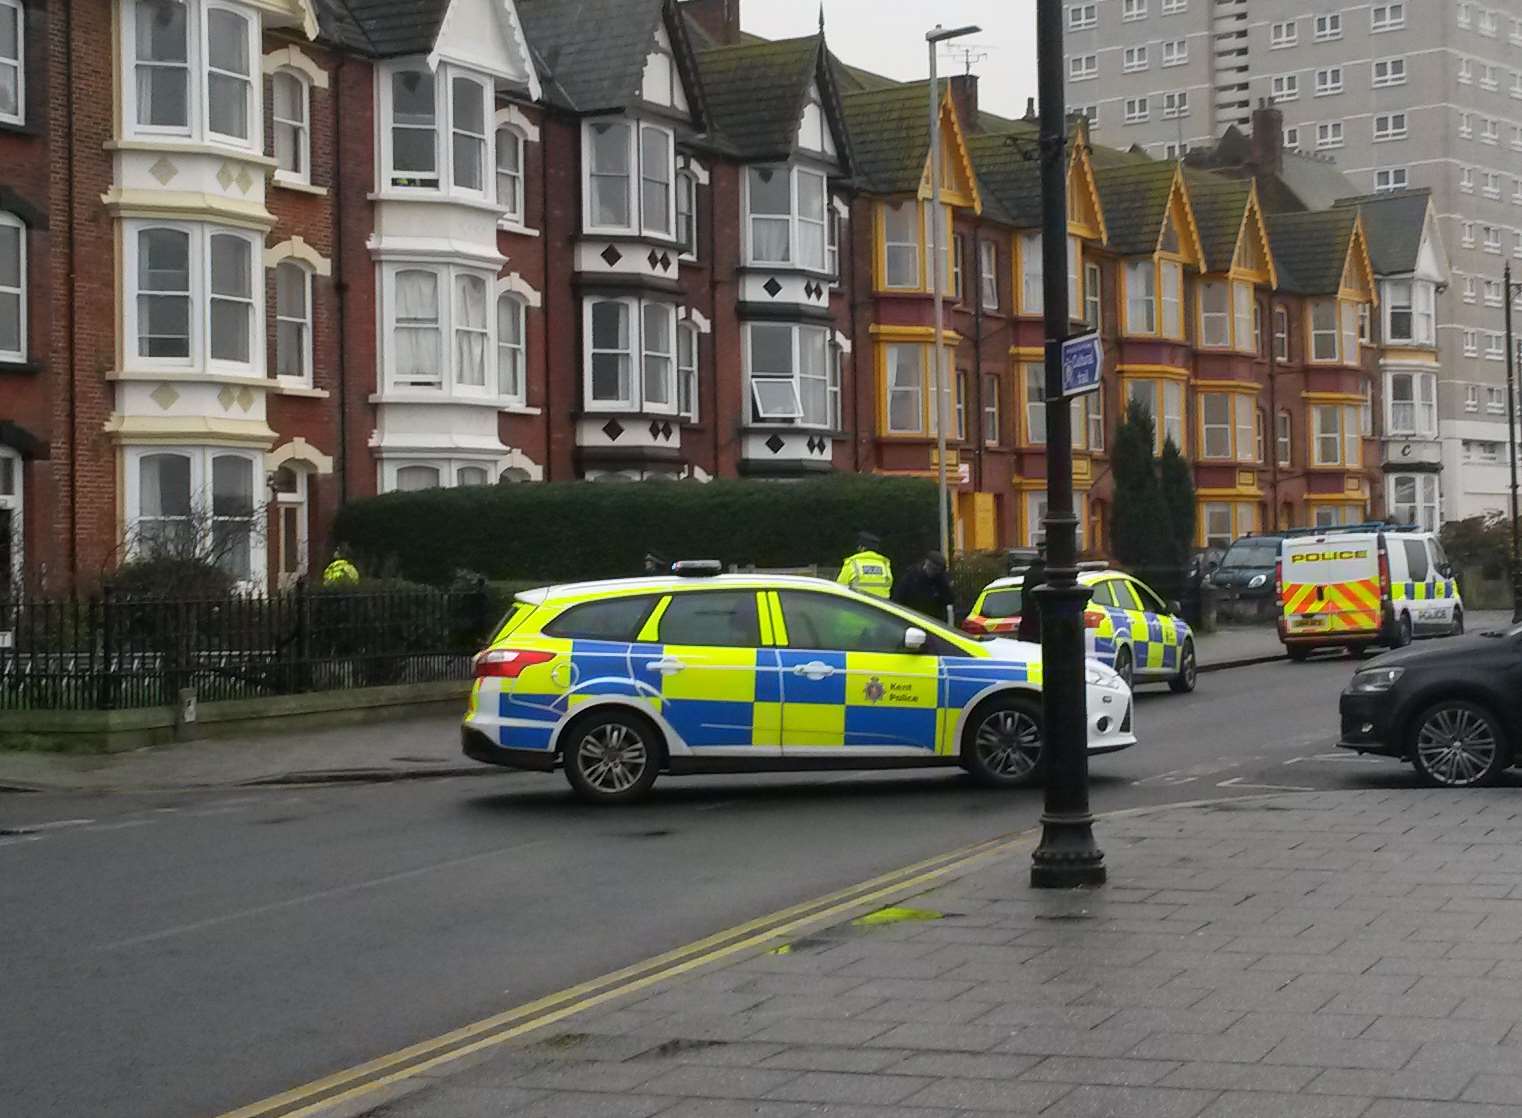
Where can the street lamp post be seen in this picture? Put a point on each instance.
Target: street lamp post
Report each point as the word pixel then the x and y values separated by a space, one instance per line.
pixel 1511 430
pixel 1068 856
pixel 934 38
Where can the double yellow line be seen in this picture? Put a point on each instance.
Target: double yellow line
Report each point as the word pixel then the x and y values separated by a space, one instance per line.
pixel 347 1086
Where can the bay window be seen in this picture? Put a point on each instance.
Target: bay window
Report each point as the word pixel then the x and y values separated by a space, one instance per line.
pixel 906 388
pixel 164 42
pixel 163 524
pixel 1221 522
pixel 12 75
pixel 412 479
pixel 790 371
pixel 191 295
pixel 229 73
pixel 1093 291
pixel 1034 384
pixel 1414 500
pixel 657 160
pixel 196 501
pixel 232 514
pixel 414 130
pixel 657 364
pixel 1324 330
pixel 163 294
pixel 1172 273
pixel 1215 314
pixel 511 359
pixel 1248 449
pixel 1413 404
pixel 12 517
pixel 687 372
pixel 625 336
pixel 468 99
pixel 609 161
pixel 1164 401
pixel 13 286
pixel 293 322
pixel 417 331
pixel 1075 278
pixel 161 65
pixel 1215 425
pixel 471 335
pixel 1409 312
pixel 687 213
pixel 832 246
pixel 1141 297
pixel 837 390
pixel 901 246
pixel 610 353
pixel 1032 277
pixel 1245 307
pixel 290 96
pixel 510 174
pixel 789 210
pixel 1349 333
pixel 1337 442
pixel 988 274
pixel 622 157
pixel 230 261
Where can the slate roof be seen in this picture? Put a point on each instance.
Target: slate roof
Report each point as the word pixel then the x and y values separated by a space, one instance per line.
pixel 755 93
pixel 890 135
pixel 1218 203
pixel 1310 249
pixel 595 49
pixel 1009 173
pixel 382 28
pixel 1393 225
pixel 1134 195
pixel 1317 183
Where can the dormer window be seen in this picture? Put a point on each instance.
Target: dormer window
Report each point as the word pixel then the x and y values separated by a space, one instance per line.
pixel 787 215
pixel 615 165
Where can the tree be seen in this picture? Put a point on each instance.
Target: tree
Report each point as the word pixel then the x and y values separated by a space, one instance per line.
pixel 1140 532
pixel 1177 482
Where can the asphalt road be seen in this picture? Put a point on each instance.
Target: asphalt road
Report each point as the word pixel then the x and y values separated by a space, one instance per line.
pixel 175 956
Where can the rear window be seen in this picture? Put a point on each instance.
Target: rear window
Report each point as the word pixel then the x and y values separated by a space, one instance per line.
pixel 513 619
pixel 1003 603
pixel 613 619
pixel 1254 554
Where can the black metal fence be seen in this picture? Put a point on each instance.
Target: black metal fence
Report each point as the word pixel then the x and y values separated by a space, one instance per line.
pixel 120 652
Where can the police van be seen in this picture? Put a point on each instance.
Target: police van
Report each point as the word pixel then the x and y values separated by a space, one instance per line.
pixel 1356 587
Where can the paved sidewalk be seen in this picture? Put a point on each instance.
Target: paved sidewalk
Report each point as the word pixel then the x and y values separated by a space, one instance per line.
pixel 1332 955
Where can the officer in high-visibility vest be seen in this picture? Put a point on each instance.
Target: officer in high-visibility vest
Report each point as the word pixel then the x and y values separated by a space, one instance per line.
pixel 340 571
pixel 868 571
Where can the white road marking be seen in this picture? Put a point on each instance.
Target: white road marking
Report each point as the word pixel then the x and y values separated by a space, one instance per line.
pixel 321 894
pixel 17 840
pixel 1241 782
pixel 123 825
pixel 57 824
pixel 1339 759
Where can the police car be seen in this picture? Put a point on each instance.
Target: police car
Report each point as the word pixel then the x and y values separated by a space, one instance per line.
pixel 619 681
pixel 1127 626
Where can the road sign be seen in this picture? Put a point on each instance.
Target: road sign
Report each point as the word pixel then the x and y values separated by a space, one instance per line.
pixel 1082 359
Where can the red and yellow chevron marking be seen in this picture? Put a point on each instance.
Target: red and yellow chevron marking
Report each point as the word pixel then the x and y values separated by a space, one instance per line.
pixel 1348 607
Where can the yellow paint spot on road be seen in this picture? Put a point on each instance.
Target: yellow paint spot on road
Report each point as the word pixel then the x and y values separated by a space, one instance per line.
pixel 894 915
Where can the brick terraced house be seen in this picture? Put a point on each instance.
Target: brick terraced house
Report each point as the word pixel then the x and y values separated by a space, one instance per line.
pixel 262 257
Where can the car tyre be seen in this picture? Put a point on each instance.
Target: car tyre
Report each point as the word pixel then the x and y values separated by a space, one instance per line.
pixel 612 757
pixel 1125 667
pixel 1188 672
pixel 1299 653
pixel 1458 744
pixel 1004 744
pixel 1403 632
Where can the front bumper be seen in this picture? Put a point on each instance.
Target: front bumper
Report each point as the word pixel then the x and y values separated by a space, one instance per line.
pixel 1111 720
pixel 1368 725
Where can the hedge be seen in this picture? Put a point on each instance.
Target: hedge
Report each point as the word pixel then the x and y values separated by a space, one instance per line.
pixel 580 530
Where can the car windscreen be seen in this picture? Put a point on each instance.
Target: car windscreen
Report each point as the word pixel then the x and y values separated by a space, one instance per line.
pixel 1257 554
pixel 1003 603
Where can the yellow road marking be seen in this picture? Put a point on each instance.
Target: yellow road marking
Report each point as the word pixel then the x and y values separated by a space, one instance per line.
pixel 317 1096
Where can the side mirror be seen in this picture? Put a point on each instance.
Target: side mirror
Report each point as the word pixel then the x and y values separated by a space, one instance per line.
pixel 1213 566
pixel 915 639
pixel 1174 608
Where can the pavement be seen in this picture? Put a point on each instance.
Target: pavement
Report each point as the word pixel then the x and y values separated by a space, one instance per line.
pixel 1340 954
pixel 393 750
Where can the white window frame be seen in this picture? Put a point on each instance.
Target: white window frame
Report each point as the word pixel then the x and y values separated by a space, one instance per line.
pixel 1495 348
pixel 1328 81
pixel 200 299
pixel 1284 87
pixel 1490 131
pixel 20 291
pixel 1327 27
pixel 912 211
pixel 1495 399
pixel 300 130
pixel 756 415
pixel 303 324
pixel 1285 33
pixel 1389 126
pixel 1321 434
pixel 988 273
pixel 512 352
pixel 1423 509
pixel 1133 10
pixel 16 65
pixel 634 181
pixel 201 515
pixel 1417 416
pixel 644 177
pixel 1093 294
pixel 1083 67
pixel 1214 322
pixel 447 384
pixel 460 332
pixel 458 134
pixel 1292 138
pixel 1388 179
pixel 1329 134
pixel 1137 110
pixel 1174 7
pixel 1082 17
pixel 1032 275
pixel 1284 438
pixel 1386 17
pixel 392 177
pixel 1176 52
pixel 686 222
pixel 253 113
pixel 1465 74
pixel 1491 185
pixel 511 140
pixel 688 362
pixel 993 415
pixel 637 354
pixel 1134 59
pixel 1472 398
pixel 1176 104
pixel 1471 343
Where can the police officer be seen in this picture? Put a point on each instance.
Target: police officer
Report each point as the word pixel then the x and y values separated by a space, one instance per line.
pixel 656 565
pixel 1030 608
pixel 340 571
pixel 927 587
pixel 868 571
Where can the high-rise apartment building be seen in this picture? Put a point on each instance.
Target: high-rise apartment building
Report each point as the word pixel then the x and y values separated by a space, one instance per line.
pixel 1400 95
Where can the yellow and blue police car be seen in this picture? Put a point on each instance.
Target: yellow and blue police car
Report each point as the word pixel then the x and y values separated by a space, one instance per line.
pixel 1126 626
pixel 616 682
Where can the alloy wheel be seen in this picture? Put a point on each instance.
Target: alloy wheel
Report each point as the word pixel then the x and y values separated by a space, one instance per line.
pixel 1009 744
pixel 612 758
pixel 1456 746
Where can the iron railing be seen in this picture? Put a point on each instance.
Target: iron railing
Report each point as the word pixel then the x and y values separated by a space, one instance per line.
pixel 116 651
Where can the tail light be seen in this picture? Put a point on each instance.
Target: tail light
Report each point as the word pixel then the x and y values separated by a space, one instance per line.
pixel 507 663
pixel 974 625
pixel 1384 573
pixel 1092 619
pixel 1279 580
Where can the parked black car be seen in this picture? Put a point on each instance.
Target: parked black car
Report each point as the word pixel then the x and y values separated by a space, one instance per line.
pixel 1453 710
pixel 1244 578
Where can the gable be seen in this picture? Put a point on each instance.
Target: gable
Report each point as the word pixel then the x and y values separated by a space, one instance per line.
pixel 1431 258
pixel 661 83
pixel 1085 217
pixel 1357 273
pixel 814 133
pixel 1253 258
pixel 958 184
pixel 1179 237
pixel 484 35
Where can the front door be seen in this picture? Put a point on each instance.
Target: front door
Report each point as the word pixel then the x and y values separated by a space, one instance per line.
pixel 718 685
pixel 848 681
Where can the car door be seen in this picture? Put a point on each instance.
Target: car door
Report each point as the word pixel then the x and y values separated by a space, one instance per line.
pixel 1162 655
pixel 1427 613
pixel 847 679
pixel 1445 590
pixel 718 684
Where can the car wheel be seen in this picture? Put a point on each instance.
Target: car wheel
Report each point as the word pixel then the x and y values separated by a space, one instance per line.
pixel 1004 745
pixel 1403 634
pixel 1457 744
pixel 1458 623
pixel 1125 667
pixel 612 757
pixel 1188 673
pixel 1299 653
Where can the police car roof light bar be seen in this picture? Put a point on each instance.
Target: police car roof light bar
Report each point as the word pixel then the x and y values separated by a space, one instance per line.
pixel 697 568
pixel 1094 565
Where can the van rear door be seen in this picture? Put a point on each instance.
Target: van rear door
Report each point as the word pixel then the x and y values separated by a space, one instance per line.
pixel 1330 587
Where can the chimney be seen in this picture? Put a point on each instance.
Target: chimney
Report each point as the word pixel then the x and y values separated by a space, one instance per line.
pixel 1267 139
pixel 964 93
pixel 1030 108
pixel 719 18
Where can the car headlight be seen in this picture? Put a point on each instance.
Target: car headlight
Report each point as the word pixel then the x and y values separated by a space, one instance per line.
pixel 1257 581
pixel 1096 676
pixel 1372 681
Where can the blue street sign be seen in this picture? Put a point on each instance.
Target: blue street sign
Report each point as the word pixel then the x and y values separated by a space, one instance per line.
pixel 1082 359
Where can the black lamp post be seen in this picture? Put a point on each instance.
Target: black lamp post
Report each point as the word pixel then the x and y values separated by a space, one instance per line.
pixel 1068 855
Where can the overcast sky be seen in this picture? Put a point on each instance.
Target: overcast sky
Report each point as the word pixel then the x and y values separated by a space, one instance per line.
pixel 888 36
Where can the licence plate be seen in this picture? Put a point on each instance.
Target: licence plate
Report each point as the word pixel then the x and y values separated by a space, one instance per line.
pixel 1312 624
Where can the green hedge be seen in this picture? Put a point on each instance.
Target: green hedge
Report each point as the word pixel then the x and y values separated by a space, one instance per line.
pixel 580 530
